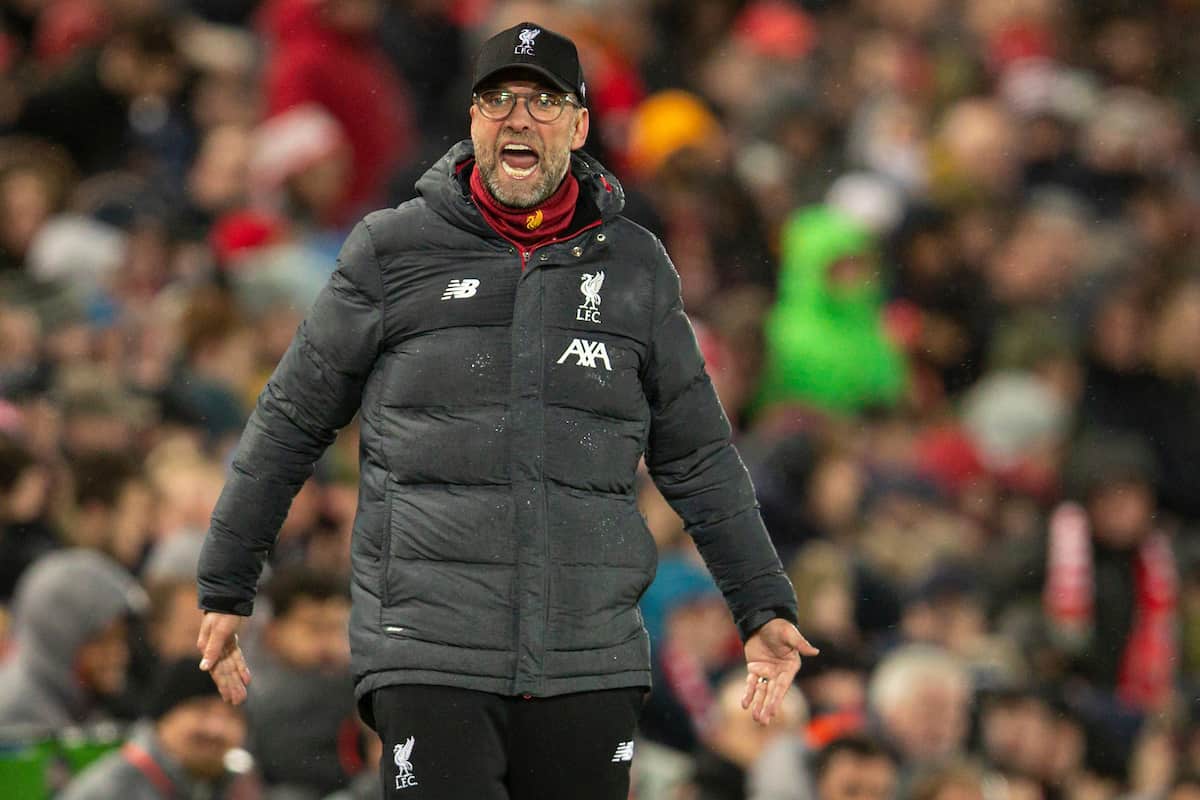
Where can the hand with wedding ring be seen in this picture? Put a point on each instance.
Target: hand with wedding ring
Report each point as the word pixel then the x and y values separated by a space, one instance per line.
pixel 772 661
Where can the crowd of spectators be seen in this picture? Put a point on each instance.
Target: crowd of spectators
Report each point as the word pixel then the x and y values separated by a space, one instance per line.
pixel 942 261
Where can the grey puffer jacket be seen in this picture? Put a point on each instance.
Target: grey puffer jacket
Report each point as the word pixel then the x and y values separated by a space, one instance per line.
pixel 506 398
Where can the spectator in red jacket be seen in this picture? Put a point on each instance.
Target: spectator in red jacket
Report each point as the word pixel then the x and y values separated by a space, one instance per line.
pixel 324 52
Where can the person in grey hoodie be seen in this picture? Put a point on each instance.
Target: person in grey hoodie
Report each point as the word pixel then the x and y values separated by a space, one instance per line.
pixel 69 617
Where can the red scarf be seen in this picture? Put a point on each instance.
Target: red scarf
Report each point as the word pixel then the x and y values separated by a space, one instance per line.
pixel 527 227
pixel 1147 672
pixel 686 678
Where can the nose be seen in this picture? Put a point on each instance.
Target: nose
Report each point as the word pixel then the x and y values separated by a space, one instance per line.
pixel 520 118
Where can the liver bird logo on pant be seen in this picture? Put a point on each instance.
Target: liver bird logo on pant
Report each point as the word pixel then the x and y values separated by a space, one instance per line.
pixel 590 286
pixel 401 754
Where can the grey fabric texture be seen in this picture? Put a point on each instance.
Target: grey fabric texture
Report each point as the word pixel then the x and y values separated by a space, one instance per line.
pixel 498 545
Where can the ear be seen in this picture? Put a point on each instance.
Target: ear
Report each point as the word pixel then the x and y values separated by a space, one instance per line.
pixel 582 122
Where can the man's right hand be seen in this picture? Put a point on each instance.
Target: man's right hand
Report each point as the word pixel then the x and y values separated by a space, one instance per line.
pixel 221 657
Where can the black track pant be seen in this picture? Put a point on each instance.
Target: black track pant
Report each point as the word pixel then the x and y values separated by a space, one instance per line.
pixel 441 743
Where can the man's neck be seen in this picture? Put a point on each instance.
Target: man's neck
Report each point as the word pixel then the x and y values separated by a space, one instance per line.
pixel 527 227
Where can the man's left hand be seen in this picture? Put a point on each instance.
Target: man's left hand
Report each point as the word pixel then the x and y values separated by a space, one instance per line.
pixel 773 653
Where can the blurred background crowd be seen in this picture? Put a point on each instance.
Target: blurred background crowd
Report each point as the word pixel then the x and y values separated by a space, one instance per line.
pixel 941 257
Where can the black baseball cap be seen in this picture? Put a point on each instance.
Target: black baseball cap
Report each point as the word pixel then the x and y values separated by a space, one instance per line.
pixel 528 46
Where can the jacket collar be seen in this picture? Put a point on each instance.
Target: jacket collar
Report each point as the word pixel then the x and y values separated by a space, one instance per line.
pixel 444 187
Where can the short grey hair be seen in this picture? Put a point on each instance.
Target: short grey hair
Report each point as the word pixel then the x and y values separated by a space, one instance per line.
pixel 898 675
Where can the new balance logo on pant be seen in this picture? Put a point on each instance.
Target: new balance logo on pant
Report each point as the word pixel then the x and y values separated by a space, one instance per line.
pixel 624 752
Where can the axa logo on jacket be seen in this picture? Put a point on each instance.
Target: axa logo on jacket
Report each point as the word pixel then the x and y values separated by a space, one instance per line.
pixel 588 353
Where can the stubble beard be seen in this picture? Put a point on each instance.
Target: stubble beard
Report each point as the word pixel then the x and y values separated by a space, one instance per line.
pixel 552 169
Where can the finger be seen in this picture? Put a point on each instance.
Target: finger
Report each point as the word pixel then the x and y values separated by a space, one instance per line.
pixel 753 686
pixel 214 650
pixel 206 624
pixel 216 681
pixel 229 681
pixel 239 662
pixel 776 690
pixel 761 688
pixel 215 646
pixel 761 705
pixel 804 647
pixel 232 691
pixel 221 679
pixel 748 695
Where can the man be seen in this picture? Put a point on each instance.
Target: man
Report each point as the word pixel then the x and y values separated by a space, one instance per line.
pixel 732 748
pixel 139 61
pixel 854 768
pixel 113 507
pixel 180 751
pixel 1105 573
pixel 70 617
pixel 514 346
pixel 304 674
pixel 173 622
pixel 26 532
pixel 920 696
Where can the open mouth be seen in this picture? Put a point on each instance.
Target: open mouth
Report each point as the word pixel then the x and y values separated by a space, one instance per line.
pixel 518 160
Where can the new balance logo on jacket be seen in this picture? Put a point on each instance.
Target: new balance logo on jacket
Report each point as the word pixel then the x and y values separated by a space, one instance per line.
pixel 460 289
pixel 624 752
pixel 588 352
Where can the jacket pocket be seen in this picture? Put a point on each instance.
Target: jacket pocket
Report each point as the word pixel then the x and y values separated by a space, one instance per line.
pixel 385 550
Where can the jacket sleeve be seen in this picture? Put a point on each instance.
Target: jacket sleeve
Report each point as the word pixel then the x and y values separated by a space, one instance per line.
pixel 698 471
pixel 315 390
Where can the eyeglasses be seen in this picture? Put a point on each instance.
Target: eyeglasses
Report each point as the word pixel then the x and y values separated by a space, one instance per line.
pixel 497 104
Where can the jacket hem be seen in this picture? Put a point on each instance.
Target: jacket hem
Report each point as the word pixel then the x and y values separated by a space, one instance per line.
pixel 551 687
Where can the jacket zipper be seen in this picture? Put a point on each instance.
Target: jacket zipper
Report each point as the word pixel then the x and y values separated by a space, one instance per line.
pixel 524 256
pixel 545 508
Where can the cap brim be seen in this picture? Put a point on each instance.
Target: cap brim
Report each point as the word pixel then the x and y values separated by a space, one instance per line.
pixel 519 66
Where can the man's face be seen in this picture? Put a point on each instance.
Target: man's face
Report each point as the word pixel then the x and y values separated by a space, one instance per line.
pixel 175 634
pixel 849 776
pixel 198 733
pixel 1122 513
pixel 313 634
pixel 102 661
pixel 932 723
pixel 519 177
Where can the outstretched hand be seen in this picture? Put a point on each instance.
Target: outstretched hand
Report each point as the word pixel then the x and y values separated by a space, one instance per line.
pixel 221 657
pixel 773 653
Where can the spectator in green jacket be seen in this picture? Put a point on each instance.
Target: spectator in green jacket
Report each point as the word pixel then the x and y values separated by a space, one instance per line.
pixel 826 346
